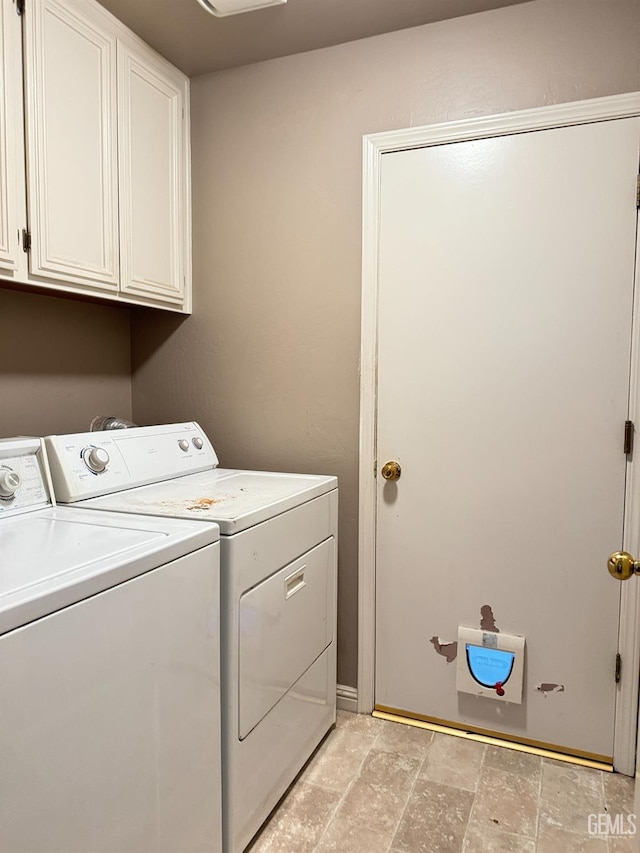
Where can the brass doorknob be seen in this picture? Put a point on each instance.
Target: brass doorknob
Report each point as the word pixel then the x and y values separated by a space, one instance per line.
pixel 391 471
pixel 622 566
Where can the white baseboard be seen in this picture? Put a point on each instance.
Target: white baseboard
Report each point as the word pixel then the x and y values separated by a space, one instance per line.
pixel 347 698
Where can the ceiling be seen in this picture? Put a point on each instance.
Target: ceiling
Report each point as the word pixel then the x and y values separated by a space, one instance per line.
pixel 197 42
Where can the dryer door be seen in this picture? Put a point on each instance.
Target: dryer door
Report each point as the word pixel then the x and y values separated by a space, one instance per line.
pixel 286 622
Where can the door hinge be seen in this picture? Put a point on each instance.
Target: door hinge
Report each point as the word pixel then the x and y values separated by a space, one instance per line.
pixel 618 668
pixel 638 192
pixel 629 432
pixel 26 240
pixel 20 7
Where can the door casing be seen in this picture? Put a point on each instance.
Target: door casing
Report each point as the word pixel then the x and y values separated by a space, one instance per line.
pixel 374 146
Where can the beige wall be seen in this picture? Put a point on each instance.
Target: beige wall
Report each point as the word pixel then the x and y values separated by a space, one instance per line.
pixel 269 361
pixel 61 363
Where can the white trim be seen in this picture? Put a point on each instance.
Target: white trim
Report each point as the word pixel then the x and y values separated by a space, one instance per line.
pixel 346 698
pixel 368 386
pixel 503 124
pixel 624 748
pixel 374 146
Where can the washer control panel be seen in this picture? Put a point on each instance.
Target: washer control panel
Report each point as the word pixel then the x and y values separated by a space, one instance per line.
pixel 87 465
pixel 23 482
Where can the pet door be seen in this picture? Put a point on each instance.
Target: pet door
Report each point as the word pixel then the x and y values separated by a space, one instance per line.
pixel 490 664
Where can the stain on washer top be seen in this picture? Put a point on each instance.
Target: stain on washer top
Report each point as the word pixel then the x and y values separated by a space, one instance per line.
pixel 202 503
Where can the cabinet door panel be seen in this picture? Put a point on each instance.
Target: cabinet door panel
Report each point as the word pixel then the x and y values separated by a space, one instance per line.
pixel 72 157
pixel 10 122
pixel 153 150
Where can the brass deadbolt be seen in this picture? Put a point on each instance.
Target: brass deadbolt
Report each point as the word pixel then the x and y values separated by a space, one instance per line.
pixel 391 471
pixel 622 566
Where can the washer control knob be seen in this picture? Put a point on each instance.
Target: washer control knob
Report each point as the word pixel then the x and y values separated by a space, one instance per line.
pixel 96 459
pixel 197 442
pixel 183 444
pixel 9 483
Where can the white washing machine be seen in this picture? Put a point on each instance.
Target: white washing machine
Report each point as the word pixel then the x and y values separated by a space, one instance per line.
pixel 278 592
pixel 109 674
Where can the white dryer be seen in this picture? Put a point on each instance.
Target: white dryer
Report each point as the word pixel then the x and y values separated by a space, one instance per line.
pixel 109 674
pixel 278 592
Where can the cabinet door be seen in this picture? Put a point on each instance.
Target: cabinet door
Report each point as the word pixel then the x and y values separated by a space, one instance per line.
pixel 154 176
pixel 71 143
pixel 11 170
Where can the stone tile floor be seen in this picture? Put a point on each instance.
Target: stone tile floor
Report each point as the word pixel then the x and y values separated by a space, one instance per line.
pixel 379 787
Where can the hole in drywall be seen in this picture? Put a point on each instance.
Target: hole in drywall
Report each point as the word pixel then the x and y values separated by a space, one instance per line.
pixel 549 687
pixel 449 651
pixel 487 619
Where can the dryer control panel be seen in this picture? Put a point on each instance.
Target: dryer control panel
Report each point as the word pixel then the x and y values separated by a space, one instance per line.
pixel 87 465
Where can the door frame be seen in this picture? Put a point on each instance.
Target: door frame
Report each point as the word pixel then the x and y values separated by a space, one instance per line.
pixel 374 146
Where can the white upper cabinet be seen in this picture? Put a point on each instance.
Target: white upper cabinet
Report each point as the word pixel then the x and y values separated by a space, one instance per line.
pixel 108 197
pixel 71 144
pixel 11 190
pixel 154 175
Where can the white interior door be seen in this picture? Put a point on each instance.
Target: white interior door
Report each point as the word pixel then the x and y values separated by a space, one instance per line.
pixel 506 272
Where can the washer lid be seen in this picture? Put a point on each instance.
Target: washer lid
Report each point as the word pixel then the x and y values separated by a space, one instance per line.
pixel 56 557
pixel 236 500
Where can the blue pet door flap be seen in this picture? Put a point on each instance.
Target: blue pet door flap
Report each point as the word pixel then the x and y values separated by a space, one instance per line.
pixel 490 664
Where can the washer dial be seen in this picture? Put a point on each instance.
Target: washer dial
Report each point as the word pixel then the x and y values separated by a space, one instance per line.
pixel 9 482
